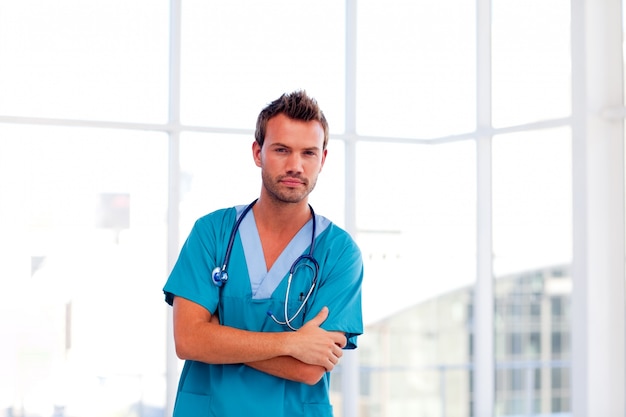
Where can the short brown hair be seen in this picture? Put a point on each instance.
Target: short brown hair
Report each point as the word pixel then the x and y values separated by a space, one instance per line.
pixel 298 106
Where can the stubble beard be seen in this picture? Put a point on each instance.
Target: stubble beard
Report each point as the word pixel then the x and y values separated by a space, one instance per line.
pixel 283 194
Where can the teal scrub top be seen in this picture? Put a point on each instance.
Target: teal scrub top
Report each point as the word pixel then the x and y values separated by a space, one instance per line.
pixel 244 301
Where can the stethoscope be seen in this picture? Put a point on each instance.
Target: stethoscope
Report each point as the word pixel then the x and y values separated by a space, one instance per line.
pixel 220 275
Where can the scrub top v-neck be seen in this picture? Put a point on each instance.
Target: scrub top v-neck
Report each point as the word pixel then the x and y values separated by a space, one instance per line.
pixel 264 282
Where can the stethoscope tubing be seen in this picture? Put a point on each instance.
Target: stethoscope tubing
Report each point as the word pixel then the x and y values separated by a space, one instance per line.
pixel 223 274
pixel 288 320
pixel 219 275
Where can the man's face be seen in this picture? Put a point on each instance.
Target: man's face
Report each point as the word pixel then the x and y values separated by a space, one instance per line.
pixel 291 158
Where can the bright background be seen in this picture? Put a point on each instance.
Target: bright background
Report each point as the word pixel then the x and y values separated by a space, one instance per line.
pixel 121 122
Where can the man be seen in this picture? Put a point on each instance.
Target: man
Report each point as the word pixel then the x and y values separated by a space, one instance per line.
pixel 266 296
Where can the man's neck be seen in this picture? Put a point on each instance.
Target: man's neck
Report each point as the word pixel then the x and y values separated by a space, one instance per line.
pixel 277 224
pixel 279 216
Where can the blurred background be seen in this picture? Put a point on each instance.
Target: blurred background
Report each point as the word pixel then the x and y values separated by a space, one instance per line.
pixel 476 156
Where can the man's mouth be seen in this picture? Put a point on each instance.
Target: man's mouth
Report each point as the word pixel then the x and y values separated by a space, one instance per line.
pixel 291 182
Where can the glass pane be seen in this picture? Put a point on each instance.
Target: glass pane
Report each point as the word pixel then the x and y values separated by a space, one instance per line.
pixel 219 171
pixel 83 259
pixel 416 72
pixel 531 60
pixel 532 197
pixel 239 55
pixel 417 230
pixel 532 235
pixel 532 319
pixel 85 59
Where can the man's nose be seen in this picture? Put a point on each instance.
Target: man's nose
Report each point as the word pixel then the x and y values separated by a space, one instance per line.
pixel 294 163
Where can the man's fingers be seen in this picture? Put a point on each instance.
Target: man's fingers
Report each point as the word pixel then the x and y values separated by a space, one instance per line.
pixel 334 357
pixel 340 339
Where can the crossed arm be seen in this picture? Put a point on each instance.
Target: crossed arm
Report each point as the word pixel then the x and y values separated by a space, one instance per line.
pixel 303 356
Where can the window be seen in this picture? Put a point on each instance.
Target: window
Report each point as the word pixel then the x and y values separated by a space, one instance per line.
pixel 86 243
pixel 94 133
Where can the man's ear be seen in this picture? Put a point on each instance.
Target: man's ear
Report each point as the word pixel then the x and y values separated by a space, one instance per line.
pixel 324 152
pixel 256 153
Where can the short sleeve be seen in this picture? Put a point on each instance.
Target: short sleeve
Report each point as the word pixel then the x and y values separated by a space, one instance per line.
pixel 201 253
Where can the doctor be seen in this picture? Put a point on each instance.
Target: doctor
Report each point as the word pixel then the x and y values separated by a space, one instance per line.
pixel 267 295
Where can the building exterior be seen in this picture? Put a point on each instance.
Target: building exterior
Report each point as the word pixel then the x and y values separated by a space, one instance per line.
pixel 419 362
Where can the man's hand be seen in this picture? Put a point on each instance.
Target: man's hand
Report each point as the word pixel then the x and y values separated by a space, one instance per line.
pixel 316 346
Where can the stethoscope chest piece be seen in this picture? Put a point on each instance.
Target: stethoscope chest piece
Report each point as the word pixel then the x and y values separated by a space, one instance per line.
pixel 219 276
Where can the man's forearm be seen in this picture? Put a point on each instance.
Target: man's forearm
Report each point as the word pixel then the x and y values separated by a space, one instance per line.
pixel 287 367
pixel 199 336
